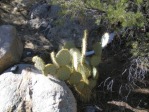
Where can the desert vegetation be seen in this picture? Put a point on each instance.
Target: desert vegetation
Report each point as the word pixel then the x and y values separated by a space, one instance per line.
pixel 110 78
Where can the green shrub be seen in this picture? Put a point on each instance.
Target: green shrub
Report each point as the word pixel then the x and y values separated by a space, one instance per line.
pixel 124 12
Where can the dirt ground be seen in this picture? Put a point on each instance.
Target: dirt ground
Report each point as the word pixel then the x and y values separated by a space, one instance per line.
pixel 112 93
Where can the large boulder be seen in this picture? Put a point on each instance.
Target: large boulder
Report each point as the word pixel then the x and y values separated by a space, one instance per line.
pixel 11 47
pixel 27 90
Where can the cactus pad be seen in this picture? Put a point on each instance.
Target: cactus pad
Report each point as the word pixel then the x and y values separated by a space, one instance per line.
pixel 85 70
pixel 53 58
pixel 84 91
pixel 79 86
pixel 95 74
pixel 76 57
pixel 92 83
pixel 50 69
pixel 38 62
pixel 84 46
pixel 63 57
pixel 75 78
pixel 63 73
pixel 97 48
pixel 68 45
pixel 95 60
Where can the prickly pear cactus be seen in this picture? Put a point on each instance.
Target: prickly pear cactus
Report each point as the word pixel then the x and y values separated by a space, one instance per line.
pixel 92 83
pixel 68 45
pixel 97 48
pixel 95 60
pixel 71 65
pixel 95 74
pixel 53 58
pixel 63 73
pixel 75 78
pixel 50 69
pixel 38 63
pixel 63 57
pixel 84 91
pixel 85 70
pixel 76 57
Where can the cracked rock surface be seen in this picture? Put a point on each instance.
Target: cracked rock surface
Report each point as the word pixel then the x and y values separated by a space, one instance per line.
pixel 27 90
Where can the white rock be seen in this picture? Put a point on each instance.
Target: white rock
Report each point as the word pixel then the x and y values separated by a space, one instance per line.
pixel 106 39
pixel 29 91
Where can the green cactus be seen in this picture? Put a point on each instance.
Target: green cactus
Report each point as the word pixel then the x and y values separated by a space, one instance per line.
pixel 53 58
pixel 63 57
pixel 84 46
pixel 97 48
pixel 84 91
pixel 75 78
pixel 95 60
pixel 38 63
pixel 63 73
pixel 68 45
pixel 95 73
pixel 79 86
pixel 71 65
pixel 85 70
pixel 50 69
pixel 76 57
pixel 92 83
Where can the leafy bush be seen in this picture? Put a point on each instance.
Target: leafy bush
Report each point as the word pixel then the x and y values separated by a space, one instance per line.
pixel 113 12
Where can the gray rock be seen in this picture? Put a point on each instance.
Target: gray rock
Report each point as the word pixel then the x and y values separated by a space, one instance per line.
pixel 35 23
pixel 30 91
pixel 93 109
pixel 26 3
pixel 11 47
pixel 90 109
pixel 57 27
pixel 40 11
pixel 39 15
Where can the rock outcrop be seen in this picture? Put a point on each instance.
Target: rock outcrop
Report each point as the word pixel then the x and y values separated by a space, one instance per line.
pixel 48 19
pixel 26 3
pixel 11 47
pixel 27 90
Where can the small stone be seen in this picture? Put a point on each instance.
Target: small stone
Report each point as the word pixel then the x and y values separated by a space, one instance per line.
pixel 93 109
pixel 28 53
pixel 14 69
pixel 90 109
pixel 46 47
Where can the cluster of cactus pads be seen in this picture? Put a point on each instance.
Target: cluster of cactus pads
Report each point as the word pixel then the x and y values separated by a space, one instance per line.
pixel 71 65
